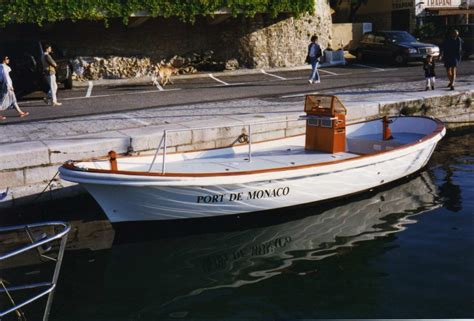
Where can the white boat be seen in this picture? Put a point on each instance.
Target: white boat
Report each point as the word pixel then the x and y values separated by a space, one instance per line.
pixel 331 160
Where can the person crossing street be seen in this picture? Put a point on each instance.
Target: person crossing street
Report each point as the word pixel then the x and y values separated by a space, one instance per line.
pixel 314 54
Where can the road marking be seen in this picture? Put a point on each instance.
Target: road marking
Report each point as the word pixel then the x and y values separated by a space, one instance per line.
pixel 365 66
pixel 328 72
pixel 136 120
pixel 269 74
pixel 300 95
pixel 218 80
pixel 89 89
pixel 159 86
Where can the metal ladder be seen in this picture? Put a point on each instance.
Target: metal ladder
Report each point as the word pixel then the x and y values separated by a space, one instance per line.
pixel 42 245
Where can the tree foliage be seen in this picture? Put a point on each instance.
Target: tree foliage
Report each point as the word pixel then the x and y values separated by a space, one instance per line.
pixel 41 11
pixel 354 6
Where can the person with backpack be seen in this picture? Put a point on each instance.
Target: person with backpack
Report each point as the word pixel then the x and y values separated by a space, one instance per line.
pixel 313 57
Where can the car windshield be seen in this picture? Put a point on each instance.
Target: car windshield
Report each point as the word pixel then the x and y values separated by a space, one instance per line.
pixel 401 37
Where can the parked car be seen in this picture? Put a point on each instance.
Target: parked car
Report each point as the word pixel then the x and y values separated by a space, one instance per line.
pixel 398 47
pixel 27 70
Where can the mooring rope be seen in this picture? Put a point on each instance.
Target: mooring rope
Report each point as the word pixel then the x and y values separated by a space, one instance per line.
pixel 19 313
pixel 44 190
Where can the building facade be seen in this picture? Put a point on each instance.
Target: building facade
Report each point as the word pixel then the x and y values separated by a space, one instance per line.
pixel 409 14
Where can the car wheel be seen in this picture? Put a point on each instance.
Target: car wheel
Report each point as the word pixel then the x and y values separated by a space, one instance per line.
pixel 400 59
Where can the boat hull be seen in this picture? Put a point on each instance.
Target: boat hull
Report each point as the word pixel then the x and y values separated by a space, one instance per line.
pixel 148 201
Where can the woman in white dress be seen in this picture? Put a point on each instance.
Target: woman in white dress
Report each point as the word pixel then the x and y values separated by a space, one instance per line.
pixel 7 94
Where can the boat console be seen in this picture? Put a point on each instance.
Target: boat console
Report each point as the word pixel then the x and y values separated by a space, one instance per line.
pixel 325 124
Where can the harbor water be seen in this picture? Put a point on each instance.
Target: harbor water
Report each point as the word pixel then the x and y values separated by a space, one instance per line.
pixel 404 250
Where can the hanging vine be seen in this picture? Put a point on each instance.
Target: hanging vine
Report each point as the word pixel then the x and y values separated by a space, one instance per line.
pixel 42 11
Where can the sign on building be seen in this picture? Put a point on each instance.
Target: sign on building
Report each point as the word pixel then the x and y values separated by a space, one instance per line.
pixel 442 3
pixel 402 4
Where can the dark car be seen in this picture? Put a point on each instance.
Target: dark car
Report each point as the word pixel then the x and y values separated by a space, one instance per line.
pixel 399 47
pixel 27 70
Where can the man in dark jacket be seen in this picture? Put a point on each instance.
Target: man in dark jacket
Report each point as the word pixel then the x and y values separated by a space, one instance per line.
pixel 452 49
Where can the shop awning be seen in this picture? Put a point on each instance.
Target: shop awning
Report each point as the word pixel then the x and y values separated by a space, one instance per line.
pixel 449 11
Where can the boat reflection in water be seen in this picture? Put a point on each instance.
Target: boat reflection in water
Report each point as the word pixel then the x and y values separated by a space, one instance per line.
pixel 167 271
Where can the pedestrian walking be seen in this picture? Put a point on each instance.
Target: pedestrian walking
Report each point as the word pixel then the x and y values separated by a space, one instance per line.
pixel 49 70
pixel 452 49
pixel 430 76
pixel 8 98
pixel 314 54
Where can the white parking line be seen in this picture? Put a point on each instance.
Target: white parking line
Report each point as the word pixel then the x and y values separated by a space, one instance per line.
pixel 269 74
pixel 328 72
pixel 159 86
pixel 218 80
pixel 89 89
pixel 365 66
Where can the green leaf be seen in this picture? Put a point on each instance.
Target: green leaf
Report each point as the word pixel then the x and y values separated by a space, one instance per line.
pixel 41 11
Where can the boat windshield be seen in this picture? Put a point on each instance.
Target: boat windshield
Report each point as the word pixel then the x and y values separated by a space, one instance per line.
pixel 400 37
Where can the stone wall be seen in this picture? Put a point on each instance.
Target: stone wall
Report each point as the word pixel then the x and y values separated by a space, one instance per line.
pixel 259 41
pixel 284 43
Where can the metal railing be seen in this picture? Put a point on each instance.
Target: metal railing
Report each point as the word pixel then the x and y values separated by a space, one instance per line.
pixel 42 245
pixel 163 141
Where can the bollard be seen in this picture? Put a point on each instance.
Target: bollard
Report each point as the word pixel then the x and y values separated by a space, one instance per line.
pixel 387 133
pixel 113 160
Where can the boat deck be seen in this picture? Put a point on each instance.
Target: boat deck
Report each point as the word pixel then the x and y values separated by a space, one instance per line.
pixel 261 160
pixel 265 156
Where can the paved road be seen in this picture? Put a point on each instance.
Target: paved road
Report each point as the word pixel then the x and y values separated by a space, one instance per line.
pixel 265 85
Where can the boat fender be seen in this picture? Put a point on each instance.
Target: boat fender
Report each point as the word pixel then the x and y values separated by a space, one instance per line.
pixel 243 138
pixel 113 160
pixel 387 133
